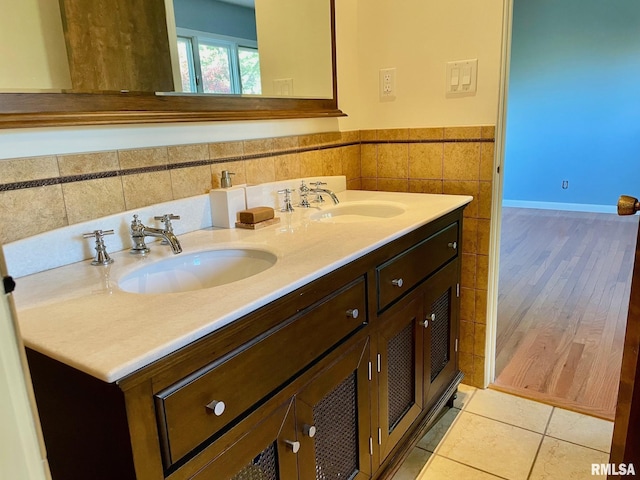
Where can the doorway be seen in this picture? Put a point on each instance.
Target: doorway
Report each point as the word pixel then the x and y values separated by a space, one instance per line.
pixel 568 135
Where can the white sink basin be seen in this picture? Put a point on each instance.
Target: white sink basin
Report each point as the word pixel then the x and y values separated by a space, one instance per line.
pixel 210 268
pixel 358 212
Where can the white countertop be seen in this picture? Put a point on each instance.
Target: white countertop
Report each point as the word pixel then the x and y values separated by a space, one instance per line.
pixel 77 314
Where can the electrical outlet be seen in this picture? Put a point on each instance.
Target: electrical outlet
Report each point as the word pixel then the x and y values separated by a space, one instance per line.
pixel 388 84
pixel 565 184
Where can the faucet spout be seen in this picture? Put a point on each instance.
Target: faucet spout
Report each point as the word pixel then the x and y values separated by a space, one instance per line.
pixel 171 239
pixel 328 192
pixel 140 231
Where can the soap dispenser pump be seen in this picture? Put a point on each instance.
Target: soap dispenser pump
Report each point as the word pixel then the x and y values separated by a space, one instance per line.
pixel 225 180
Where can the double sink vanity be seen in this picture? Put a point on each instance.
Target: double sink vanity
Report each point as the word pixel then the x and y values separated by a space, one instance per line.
pixel 319 347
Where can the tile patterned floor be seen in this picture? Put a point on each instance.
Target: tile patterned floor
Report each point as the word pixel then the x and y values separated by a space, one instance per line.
pixel 490 435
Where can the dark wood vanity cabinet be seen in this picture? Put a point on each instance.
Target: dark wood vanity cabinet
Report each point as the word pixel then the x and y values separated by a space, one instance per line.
pixel 338 379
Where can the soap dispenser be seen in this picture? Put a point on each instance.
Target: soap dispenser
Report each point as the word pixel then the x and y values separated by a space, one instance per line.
pixel 225 180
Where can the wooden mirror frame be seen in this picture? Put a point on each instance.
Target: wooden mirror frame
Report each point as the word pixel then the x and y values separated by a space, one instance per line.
pixel 20 110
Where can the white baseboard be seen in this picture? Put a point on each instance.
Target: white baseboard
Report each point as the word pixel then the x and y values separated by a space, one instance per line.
pixel 572 207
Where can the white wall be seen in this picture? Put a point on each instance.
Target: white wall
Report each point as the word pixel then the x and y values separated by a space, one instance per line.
pixel 32 50
pixel 418 37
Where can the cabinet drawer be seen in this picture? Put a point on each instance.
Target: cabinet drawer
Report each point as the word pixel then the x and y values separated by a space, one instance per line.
pixel 186 410
pixel 398 275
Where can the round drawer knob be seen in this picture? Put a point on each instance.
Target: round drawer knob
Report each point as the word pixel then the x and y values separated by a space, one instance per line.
pixel 294 446
pixel 433 317
pixel 309 430
pixel 425 324
pixel 397 282
pixel 353 313
pixel 216 407
pixel 453 245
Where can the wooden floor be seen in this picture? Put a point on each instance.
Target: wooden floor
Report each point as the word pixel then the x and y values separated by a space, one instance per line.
pixel 563 297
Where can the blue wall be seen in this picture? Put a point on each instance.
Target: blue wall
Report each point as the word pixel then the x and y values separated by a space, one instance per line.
pixel 216 17
pixel 574 101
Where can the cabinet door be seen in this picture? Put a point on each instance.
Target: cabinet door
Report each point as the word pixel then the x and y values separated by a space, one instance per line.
pixel 267 451
pixel 400 366
pixel 441 307
pixel 336 407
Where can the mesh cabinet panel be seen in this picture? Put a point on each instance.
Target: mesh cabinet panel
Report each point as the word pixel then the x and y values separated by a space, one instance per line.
pixel 440 335
pixel 400 374
pixel 263 467
pixel 336 440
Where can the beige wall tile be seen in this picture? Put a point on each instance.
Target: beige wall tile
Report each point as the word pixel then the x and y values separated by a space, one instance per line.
pixel 350 136
pixel 470 235
pixel 350 161
pixel 488 131
pixel 260 170
pixel 191 181
pixel 29 168
pixel 285 143
pixel 88 163
pixel 370 184
pixel 393 134
pixel 426 160
pixel 464 188
pixel 459 133
pixel 481 306
pixel 484 199
pixel 311 163
pixel 319 139
pixel 393 160
pixel 355 184
pixel 237 168
pixel 484 229
pixel 144 157
pixel 188 153
pixel 465 362
pixel 30 211
pixel 480 335
pixel 331 162
pixel 461 161
pixel 393 184
pixel 224 150
pixel 482 271
pixel 478 371
pixel 425 186
pixel 145 189
pixel 468 270
pixel 368 135
pixel 261 145
pixel 91 199
pixel 369 160
pixel 466 336
pixel 487 151
pixel 426 133
pixel 287 166
pixel 467 304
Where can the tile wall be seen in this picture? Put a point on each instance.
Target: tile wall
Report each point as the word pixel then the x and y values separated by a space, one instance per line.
pixel 43 193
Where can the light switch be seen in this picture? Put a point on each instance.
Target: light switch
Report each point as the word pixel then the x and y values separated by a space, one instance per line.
pixel 461 78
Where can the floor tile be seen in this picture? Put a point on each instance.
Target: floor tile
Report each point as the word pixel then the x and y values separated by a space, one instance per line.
pixel 491 446
pixel 581 429
pixel 441 468
pixel 558 460
pixel 510 409
pixel 413 465
pixel 435 434
pixel 465 392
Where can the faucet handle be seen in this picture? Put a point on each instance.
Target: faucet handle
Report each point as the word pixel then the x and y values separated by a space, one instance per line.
pixel 287 200
pixel 166 219
pixel 318 183
pixel 102 256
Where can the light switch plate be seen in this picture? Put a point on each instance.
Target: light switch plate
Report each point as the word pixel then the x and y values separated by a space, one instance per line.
pixel 461 79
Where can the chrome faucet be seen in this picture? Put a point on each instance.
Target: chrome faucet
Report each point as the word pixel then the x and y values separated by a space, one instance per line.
pixel 139 232
pixel 319 191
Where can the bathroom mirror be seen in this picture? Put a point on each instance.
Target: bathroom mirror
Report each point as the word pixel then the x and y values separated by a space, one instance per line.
pixel 86 106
